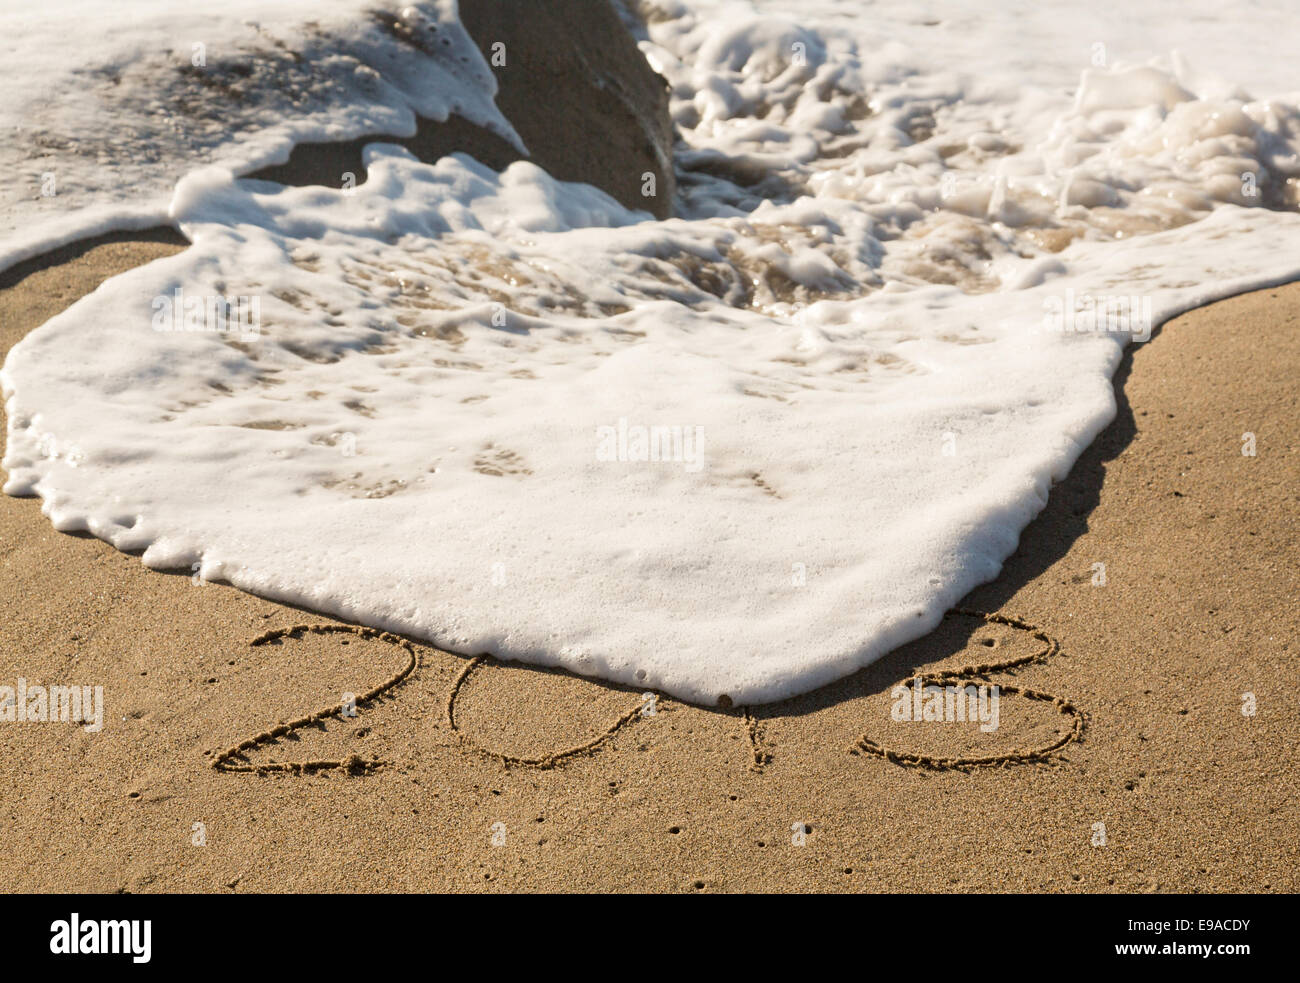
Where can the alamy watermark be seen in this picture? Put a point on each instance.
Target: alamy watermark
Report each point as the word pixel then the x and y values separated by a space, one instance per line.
pixel 1085 313
pixel 968 703
pixel 675 444
pixel 77 936
pixel 54 704
pixel 178 312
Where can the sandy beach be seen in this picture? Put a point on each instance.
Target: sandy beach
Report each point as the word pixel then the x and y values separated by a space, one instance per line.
pixel 1199 607
pixel 1143 636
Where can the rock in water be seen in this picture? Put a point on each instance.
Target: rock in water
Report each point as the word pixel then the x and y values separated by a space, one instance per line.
pixel 575 87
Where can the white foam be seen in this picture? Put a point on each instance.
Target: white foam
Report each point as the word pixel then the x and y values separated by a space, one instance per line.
pixel 106 105
pixel 848 341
